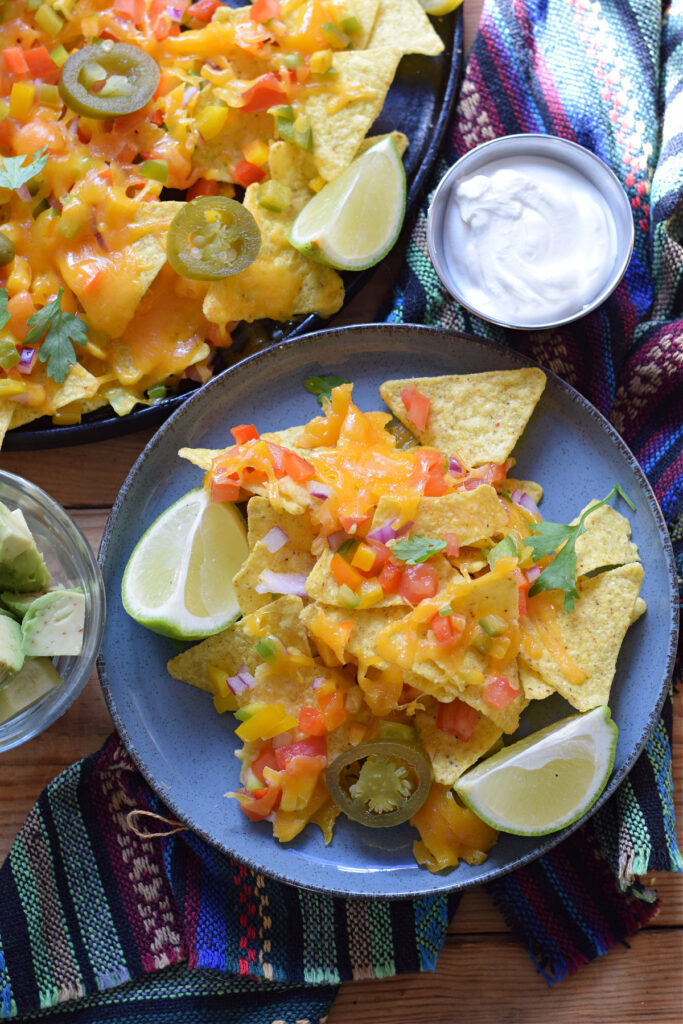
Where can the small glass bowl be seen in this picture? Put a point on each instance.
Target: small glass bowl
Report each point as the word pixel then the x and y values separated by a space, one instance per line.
pixel 576 160
pixel 71 562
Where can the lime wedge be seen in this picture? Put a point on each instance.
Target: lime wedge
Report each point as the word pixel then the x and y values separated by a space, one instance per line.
pixel 178 580
pixel 547 780
pixel 354 220
pixel 436 8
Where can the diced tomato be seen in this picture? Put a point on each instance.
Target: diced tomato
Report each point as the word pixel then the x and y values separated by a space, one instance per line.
pixel 15 58
pixel 225 488
pixel 244 432
pixel 156 117
pixel 417 406
pixel 296 468
pixel 310 721
pixel 442 628
pixel 134 10
pixel 127 153
pixel 263 10
pixel 246 174
pixel 499 691
pixel 489 473
pixel 435 485
pixel 202 187
pixel 418 582
pixel 344 573
pixel 313 746
pixel 428 473
pixel 389 578
pixel 40 63
pixel 458 719
pixel 203 10
pixel 452 544
pixel 257 807
pixel 351 523
pixel 523 585
pixel 267 91
pixel 381 553
pixel 264 759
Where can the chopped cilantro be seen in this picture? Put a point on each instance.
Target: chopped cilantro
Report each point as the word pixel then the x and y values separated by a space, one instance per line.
pixel 59 331
pixel 13 173
pixel 561 573
pixel 322 387
pixel 4 315
pixel 417 548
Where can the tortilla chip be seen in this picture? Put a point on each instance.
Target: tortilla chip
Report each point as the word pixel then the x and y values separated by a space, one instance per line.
pixel 77 385
pixel 530 487
pixel 605 542
pixel 471 515
pixel 400 140
pixel 532 684
pixel 201 457
pixel 262 517
pixel 226 149
pixel 366 623
pixel 592 634
pixel 280 283
pixel 469 561
pixel 321 585
pixel 639 608
pixel 6 413
pixel 477 417
pixel 229 650
pixel 450 756
pixel 340 121
pixel 434 680
pixel 287 559
pixel 404 25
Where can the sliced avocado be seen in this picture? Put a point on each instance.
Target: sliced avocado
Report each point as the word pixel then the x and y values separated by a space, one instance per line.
pixel 37 678
pixel 21 564
pixel 53 624
pixel 11 648
pixel 18 604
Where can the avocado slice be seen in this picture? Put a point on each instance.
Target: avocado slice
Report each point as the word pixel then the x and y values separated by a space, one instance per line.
pixel 37 677
pixel 21 564
pixel 11 648
pixel 53 624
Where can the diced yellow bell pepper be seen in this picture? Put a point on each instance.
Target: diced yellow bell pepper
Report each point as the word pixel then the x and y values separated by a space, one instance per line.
pixel 211 121
pixel 11 387
pixel 21 100
pixel 370 595
pixel 256 153
pixel 363 558
pixel 321 61
pixel 267 723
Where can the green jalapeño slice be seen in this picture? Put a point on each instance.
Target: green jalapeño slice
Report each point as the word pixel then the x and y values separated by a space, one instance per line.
pixel 212 237
pixel 108 79
pixel 380 783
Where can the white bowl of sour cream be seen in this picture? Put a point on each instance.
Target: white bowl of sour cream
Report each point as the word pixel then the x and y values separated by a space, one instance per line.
pixel 530 231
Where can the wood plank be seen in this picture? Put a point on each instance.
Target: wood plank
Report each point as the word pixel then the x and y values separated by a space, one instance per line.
pixel 490 979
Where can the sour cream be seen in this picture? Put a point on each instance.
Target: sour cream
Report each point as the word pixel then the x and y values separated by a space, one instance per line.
pixel 530 241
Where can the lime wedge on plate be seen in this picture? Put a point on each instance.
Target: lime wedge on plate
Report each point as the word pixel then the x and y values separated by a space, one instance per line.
pixel 436 8
pixel 354 220
pixel 178 581
pixel 547 780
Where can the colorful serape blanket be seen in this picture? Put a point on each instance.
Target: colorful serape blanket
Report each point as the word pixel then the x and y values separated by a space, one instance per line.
pixel 99 922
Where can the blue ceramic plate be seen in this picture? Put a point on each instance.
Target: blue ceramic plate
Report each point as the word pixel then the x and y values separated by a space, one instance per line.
pixel 185 750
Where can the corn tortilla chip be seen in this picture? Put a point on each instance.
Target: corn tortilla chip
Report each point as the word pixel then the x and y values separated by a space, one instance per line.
pixel 262 517
pixel 530 487
pixel 404 25
pixel 532 684
pixel 592 634
pixel 639 608
pixel 605 542
pixel 366 623
pixel 471 515
pixel 248 579
pixel 475 417
pixel 449 755
pixel 432 679
pixel 321 585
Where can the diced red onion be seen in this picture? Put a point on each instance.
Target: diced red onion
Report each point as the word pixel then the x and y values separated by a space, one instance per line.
pixel 454 466
pixel 174 13
pixel 27 360
pixel 283 739
pixel 533 573
pixel 383 534
pixel 318 490
pixel 275 539
pixel 99 238
pixel 242 682
pixel 525 501
pixel 24 193
pixel 55 203
pixel 318 682
pixel 335 540
pixel 189 94
pixel 282 583
pixel 472 483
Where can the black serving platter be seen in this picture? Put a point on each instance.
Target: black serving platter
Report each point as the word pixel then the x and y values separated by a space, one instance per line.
pixel 418 103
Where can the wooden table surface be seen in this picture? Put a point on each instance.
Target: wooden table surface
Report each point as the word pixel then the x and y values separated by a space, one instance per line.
pixel 483 976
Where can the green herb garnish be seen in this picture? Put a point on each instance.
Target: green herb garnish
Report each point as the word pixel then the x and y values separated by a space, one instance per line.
pixel 322 387
pixel 561 573
pixel 59 331
pixel 13 173
pixel 417 548
pixel 4 314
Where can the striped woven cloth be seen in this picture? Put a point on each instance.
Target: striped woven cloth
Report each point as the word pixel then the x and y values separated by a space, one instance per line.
pixel 101 923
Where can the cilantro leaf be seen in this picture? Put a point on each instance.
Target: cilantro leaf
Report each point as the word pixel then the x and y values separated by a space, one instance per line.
pixel 322 387
pixel 59 331
pixel 4 315
pixel 13 173
pixel 417 548
pixel 561 573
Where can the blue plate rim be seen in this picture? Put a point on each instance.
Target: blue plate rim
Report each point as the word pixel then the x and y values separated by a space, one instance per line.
pixel 450 881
